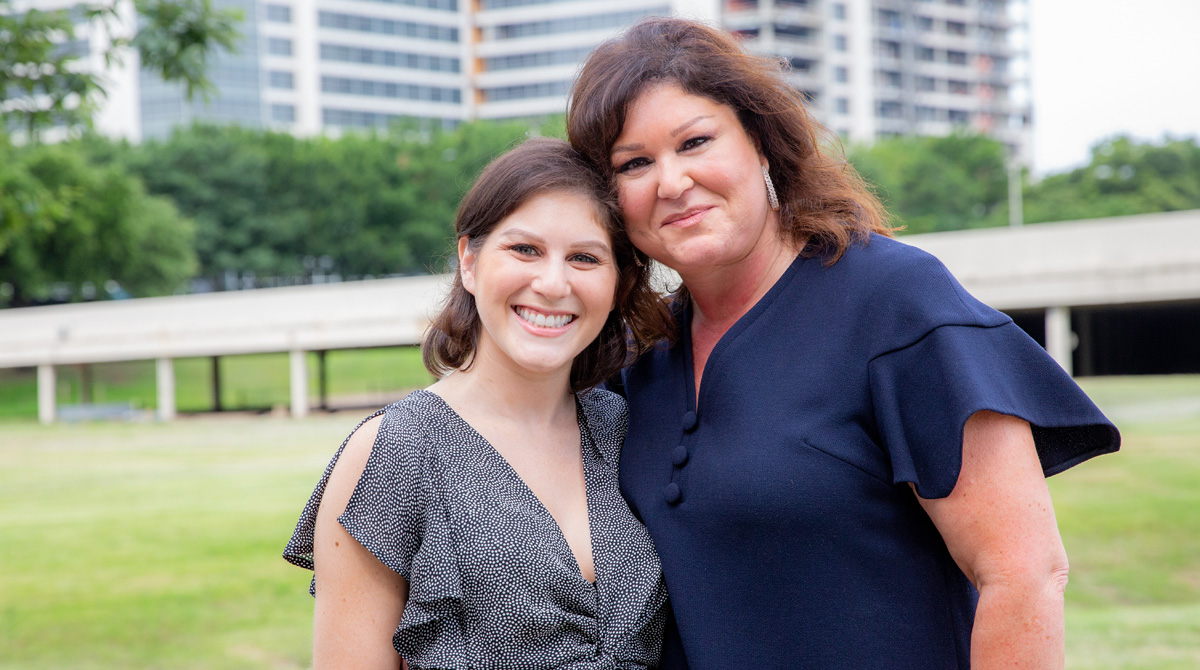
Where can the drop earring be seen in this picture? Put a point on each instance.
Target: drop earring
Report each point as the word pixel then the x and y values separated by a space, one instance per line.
pixel 772 197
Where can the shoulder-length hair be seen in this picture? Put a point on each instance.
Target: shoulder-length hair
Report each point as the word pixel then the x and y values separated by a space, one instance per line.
pixel 536 167
pixel 824 203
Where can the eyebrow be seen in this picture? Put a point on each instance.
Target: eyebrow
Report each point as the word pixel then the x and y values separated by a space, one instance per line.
pixel 522 233
pixel 638 147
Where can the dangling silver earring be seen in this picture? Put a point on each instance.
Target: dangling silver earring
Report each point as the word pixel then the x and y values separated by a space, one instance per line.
pixel 772 197
pixel 638 259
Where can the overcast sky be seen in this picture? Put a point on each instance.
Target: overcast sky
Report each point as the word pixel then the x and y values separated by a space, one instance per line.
pixel 1100 67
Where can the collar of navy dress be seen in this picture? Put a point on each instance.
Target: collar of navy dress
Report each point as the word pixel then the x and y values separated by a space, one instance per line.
pixel 780 503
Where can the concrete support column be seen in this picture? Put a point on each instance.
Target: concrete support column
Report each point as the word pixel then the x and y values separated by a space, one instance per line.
pixel 164 369
pixel 1059 336
pixel 299 378
pixel 46 394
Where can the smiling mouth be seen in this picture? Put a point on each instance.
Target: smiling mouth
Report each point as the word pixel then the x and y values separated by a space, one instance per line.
pixel 540 320
pixel 686 218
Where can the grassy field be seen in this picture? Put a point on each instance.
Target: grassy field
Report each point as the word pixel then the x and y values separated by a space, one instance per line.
pixel 157 545
pixel 250 381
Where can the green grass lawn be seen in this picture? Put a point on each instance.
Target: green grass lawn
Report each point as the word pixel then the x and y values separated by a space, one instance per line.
pixel 250 381
pixel 157 545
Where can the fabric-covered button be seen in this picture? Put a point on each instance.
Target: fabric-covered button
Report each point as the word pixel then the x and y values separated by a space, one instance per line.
pixel 671 493
pixel 689 421
pixel 679 456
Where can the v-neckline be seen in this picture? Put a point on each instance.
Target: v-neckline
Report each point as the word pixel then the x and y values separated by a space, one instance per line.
pixel 743 322
pixel 584 437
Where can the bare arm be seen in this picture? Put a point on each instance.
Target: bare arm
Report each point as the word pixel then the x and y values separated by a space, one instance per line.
pixel 359 599
pixel 999 526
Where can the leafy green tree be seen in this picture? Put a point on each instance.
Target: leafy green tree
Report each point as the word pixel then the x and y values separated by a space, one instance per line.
pixel 934 184
pixel 41 83
pixel 1124 177
pixel 373 204
pixel 84 224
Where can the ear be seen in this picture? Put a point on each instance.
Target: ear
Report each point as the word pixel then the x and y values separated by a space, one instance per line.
pixel 466 264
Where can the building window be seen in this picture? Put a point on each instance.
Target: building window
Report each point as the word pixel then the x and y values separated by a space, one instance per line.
pixel 545 89
pixel 956 28
pixel 926 84
pixel 388 89
pixel 959 117
pixel 891 79
pixel 890 19
pixel 839 11
pixel 574 24
pixel 279 13
pixel 800 33
pixel 958 87
pixel 843 106
pixel 841 73
pixel 890 110
pixel 926 113
pixel 445 5
pixel 888 49
pixel 370 24
pixel 839 42
pixel 925 54
pixel 277 46
pixel 801 64
pixel 280 79
pixel 956 57
pixel 924 24
pixel 283 113
pixel 387 58
pixel 536 59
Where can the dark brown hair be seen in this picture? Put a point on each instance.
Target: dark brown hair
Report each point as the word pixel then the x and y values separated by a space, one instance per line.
pixel 825 204
pixel 536 167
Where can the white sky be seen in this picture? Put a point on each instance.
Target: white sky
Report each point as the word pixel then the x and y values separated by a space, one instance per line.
pixel 1100 67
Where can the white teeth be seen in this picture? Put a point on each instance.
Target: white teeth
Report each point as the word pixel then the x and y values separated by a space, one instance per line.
pixel 544 320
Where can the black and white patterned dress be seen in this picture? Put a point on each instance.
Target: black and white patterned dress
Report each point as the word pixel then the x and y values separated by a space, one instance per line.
pixel 492 581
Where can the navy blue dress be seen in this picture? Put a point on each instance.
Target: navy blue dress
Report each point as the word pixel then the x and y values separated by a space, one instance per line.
pixel 779 503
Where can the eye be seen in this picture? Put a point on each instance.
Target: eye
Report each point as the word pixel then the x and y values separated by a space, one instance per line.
pixel 632 164
pixel 522 249
pixel 585 258
pixel 693 142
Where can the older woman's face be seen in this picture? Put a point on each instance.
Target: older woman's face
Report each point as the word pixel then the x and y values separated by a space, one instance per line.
pixel 690 183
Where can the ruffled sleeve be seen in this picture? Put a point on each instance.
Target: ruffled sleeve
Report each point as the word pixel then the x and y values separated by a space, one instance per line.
pixel 395 512
pixel 955 356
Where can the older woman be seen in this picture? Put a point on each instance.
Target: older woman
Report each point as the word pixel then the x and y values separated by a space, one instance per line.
pixel 842 460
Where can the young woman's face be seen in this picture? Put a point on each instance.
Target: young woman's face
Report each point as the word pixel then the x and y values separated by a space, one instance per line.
pixel 544 282
pixel 690 182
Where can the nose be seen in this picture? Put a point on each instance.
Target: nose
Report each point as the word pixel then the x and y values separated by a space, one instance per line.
pixel 551 280
pixel 673 179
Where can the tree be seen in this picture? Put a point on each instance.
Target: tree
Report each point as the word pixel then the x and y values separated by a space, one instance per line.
pixel 934 184
pixel 87 225
pixel 1124 177
pixel 264 202
pixel 42 83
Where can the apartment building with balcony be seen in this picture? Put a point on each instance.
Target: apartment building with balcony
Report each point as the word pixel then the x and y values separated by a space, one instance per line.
pixel 878 68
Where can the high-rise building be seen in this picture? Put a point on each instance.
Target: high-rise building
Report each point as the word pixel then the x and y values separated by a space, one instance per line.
pixel 870 68
pixel 877 68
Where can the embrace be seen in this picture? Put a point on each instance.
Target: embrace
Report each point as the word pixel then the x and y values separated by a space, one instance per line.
pixel 818 452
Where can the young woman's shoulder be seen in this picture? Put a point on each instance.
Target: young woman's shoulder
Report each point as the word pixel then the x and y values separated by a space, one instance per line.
pixel 607 417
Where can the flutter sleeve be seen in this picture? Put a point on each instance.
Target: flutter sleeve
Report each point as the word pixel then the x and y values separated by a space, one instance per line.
pixel 395 512
pixel 954 357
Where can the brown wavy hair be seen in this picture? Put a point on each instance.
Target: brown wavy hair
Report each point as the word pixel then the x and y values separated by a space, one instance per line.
pixel 824 203
pixel 535 167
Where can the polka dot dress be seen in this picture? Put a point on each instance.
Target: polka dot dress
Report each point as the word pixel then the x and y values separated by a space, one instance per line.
pixel 492 580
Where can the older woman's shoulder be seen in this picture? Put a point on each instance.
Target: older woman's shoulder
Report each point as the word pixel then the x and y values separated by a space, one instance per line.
pixel 907 291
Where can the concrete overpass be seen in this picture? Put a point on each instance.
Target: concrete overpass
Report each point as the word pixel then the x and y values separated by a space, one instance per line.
pixel 1072 285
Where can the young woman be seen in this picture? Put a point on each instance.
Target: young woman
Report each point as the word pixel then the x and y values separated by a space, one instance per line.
pixel 478 523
